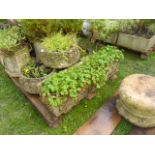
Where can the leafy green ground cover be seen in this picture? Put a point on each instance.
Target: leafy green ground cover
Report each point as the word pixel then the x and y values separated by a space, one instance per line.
pixel 17 115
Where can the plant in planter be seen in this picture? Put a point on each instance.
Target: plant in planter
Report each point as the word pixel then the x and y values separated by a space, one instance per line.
pixel 107 29
pixel 14 50
pixel 104 29
pixel 130 33
pixel 32 74
pixel 65 89
pixel 58 51
pixel 36 29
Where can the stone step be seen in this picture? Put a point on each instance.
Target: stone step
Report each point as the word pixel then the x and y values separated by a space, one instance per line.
pixel 103 122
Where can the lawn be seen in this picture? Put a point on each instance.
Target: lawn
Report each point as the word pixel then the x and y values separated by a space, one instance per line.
pixel 17 115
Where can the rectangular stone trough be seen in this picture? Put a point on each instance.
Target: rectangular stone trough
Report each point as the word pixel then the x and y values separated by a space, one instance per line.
pixel 69 102
pixel 136 43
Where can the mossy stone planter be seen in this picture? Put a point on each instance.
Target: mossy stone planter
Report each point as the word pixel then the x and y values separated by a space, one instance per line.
pixel 137 100
pixel 57 59
pixel 31 85
pixel 136 43
pixel 14 63
pixel 67 105
pixel 69 102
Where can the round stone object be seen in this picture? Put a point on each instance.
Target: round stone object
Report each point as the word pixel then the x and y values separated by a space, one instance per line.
pixel 137 100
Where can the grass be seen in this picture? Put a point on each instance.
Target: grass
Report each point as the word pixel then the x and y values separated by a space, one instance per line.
pixel 17 116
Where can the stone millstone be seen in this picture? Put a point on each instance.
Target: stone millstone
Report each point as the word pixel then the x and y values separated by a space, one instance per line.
pixel 137 100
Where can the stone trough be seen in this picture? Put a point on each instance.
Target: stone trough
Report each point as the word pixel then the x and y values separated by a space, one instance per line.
pixel 136 43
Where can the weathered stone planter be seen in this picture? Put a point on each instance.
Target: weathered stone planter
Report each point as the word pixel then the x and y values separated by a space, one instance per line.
pixel 137 43
pixel 137 100
pixel 69 102
pixel 14 63
pixel 30 85
pixel 57 59
pixel 67 105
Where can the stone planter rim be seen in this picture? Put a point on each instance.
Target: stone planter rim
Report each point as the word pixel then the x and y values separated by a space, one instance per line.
pixel 17 52
pixel 134 35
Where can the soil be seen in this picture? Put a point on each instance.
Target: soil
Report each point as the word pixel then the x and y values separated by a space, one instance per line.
pixel 141 31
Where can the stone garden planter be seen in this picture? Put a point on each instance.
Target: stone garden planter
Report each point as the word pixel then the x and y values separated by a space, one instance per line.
pixel 57 59
pixel 67 105
pixel 137 43
pixel 30 85
pixel 137 100
pixel 14 63
pixel 86 92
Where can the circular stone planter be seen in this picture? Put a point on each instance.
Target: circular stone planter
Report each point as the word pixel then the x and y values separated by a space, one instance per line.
pixel 30 85
pixel 57 59
pixel 137 100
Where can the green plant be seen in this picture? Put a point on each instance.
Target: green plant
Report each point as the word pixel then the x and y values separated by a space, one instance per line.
pixel 106 27
pixel 34 70
pixel 36 29
pixel 70 25
pixel 92 71
pixel 10 39
pixel 58 42
pixel 3 20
